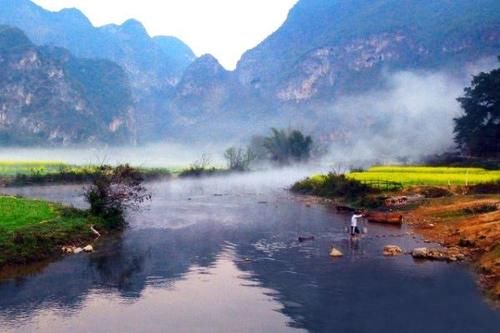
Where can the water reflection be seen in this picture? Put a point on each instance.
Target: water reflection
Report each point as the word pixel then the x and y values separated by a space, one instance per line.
pixel 223 255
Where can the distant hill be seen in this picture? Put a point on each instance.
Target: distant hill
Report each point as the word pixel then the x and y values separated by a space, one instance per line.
pixel 49 97
pixel 327 47
pixel 154 65
pixel 326 50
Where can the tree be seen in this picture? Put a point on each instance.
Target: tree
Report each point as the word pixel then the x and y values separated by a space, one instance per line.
pixel 113 190
pixel 477 132
pixel 239 159
pixel 286 146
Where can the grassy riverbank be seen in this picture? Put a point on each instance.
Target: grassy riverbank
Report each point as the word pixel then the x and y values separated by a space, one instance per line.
pixel 32 230
pixel 18 173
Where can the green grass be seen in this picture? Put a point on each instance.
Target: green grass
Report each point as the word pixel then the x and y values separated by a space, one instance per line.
pixel 423 175
pixel 33 229
pixel 17 212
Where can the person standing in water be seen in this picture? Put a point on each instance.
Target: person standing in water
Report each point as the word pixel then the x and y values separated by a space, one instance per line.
pixel 354 223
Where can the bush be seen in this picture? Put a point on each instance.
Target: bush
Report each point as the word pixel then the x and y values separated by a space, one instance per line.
pixel 239 159
pixel 113 190
pixel 199 168
pixel 334 185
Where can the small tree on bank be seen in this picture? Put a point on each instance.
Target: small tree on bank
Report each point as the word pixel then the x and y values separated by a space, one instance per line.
pixel 114 190
pixel 288 146
pixel 477 132
pixel 239 159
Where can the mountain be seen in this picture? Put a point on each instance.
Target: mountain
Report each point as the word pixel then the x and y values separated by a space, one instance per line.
pixel 325 51
pixel 331 47
pixel 153 65
pixel 48 96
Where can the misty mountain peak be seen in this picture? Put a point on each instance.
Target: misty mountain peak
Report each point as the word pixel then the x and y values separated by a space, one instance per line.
pixel 207 62
pixel 133 27
pixel 74 15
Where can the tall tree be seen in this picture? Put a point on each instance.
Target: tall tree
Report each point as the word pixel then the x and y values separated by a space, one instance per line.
pixel 477 132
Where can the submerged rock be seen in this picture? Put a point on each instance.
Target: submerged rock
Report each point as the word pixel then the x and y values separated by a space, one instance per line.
pixel 335 253
pixel 392 250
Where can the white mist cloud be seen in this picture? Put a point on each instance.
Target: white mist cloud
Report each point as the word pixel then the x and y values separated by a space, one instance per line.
pixel 411 117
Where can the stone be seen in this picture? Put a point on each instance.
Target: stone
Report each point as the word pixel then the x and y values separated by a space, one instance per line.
pixel 67 249
pixel 77 250
pixel 392 250
pixel 88 248
pixel 419 252
pixel 335 253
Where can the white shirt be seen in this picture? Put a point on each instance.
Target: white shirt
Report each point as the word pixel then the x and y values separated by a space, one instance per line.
pixel 354 219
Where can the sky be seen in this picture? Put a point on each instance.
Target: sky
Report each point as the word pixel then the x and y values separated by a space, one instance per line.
pixel 224 28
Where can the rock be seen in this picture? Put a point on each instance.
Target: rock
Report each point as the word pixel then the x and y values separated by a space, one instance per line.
pixel 392 250
pixel 303 239
pixel 419 252
pixel 77 250
pixel 335 253
pixel 68 249
pixel 88 248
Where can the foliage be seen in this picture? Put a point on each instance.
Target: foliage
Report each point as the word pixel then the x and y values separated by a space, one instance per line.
pixel 113 190
pixel 239 159
pixel 424 175
pixel 477 132
pixel 334 185
pixel 199 168
pixel 284 147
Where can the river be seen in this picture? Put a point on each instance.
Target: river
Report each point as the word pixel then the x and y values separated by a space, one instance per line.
pixel 221 255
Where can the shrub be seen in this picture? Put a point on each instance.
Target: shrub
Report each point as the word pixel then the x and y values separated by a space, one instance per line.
pixel 334 185
pixel 239 159
pixel 113 190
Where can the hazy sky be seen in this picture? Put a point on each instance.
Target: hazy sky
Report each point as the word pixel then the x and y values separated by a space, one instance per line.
pixel 224 28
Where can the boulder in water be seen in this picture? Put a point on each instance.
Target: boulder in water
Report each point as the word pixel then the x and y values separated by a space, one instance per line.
pixel 392 250
pixel 335 253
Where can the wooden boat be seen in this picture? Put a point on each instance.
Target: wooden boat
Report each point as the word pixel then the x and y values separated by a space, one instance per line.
pixel 390 218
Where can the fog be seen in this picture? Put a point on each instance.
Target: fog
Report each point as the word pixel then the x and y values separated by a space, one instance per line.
pixel 409 118
pixel 150 155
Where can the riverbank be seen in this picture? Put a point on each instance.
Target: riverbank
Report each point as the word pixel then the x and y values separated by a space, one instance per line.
pixel 468 222
pixel 462 219
pixel 34 230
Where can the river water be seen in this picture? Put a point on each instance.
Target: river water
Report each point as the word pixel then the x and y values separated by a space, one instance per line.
pixel 221 255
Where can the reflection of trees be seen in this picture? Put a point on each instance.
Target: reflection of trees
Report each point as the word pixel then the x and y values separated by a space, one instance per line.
pixel 124 264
